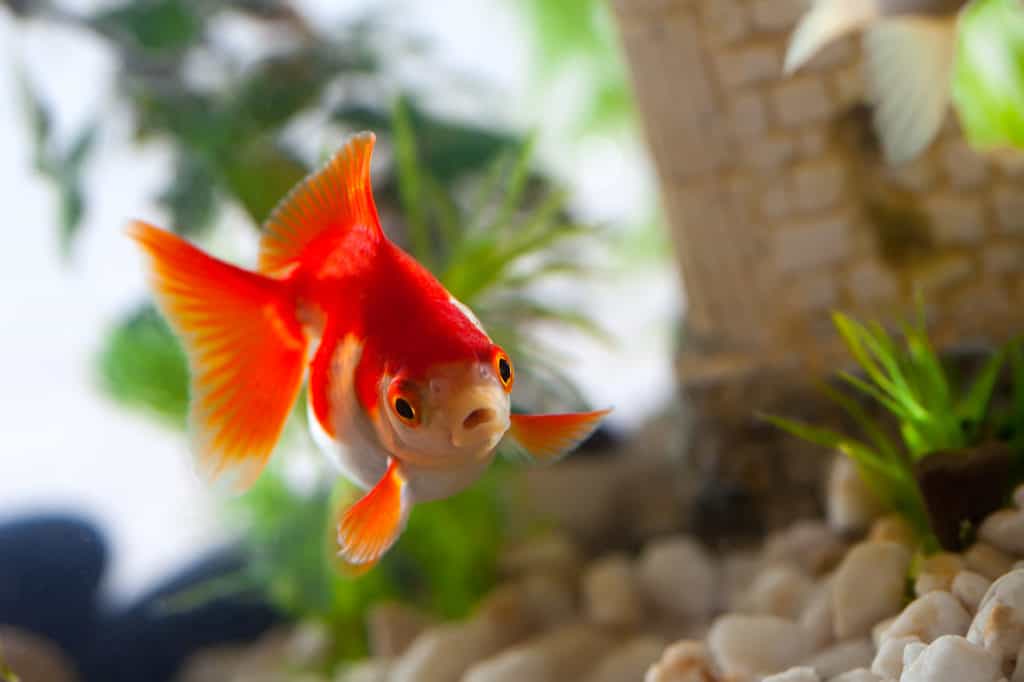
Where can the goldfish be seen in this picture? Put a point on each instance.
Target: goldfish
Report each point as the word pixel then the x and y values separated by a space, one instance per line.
pixel 407 394
pixel 909 48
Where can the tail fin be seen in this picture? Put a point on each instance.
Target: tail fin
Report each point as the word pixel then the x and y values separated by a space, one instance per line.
pixel 245 347
pixel 825 22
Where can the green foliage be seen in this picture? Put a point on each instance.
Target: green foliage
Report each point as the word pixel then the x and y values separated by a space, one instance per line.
pixel 910 383
pixel 444 562
pixel 142 365
pixel 988 85
pixel 580 36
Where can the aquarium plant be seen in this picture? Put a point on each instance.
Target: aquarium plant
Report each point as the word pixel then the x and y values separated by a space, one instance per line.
pixel 942 431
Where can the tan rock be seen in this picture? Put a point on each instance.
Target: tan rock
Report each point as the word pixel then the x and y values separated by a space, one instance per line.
pixel 930 617
pixel 892 528
pixel 779 590
pixel 684 661
pixel 756 645
pixel 859 675
pixel 816 619
pixel 568 653
pixel 748 65
pixel 628 661
pixel 809 545
pixel 999 623
pixel 888 661
pixel 1004 530
pixel 801 100
pixel 837 659
pixel 679 577
pixel 985 559
pixel 392 627
pixel 953 659
pixel 553 553
pixel 802 674
pixel 611 592
pixel 970 587
pixel 851 506
pixel 883 566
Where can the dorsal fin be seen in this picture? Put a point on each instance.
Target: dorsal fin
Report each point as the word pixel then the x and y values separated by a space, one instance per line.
pixel 336 197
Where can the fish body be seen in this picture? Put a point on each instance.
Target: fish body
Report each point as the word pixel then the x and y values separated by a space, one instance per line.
pixel 909 48
pixel 407 393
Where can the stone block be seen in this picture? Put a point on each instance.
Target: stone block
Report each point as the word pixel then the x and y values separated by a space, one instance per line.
pixel 812 142
pixel 943 274
pixel 818 185
pixel 965 168
pixel 801 100
pixel 1001 258
pixel 724 22
pixel 870 281
pixel 956 218
pixel 812 244
pixel 812 292
pixel 919 175
pixel 769 153
pixel 746 65
pixel 747 115
pixel 849 85
pixel 776 15
pixel 776 201
pixel 1008 201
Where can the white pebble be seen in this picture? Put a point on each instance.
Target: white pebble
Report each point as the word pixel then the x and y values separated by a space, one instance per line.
pixel 969 587
pixel 889 659
pixel 985 559
pixel 779 590
pixel 879 630
pixel 880 565
pixel 911 652
pixel 859 675
pixel 610 592
pixel 1004 530
pixel 756 645
pixel 999 624
pixel 794 675
pixel 953 659
pixel 931 616
pixel 679 577
pixel 684 661
pixel 844 656
pixel 851 506
pixel 816 618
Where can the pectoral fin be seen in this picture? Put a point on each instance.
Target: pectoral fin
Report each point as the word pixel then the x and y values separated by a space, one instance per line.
pixel 372 525
pixel 548 437
pixel 910 71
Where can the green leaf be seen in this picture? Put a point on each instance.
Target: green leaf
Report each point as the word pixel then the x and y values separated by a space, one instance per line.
pixel 155 26
pixel 142 365
pixel 988 80
pixel 191 196
pixel 974 406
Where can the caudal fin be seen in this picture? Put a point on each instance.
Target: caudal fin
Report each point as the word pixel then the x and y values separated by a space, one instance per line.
pixel 246 352
pixel 828 20
pixel 910 73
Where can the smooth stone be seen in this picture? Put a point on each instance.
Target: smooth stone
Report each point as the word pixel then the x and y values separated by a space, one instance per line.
pixel 970 587
pixel 568 653
pixel 810 546
pixel 999 623
pixel 889 659
pixel 392 627
pixel 857 653
pixel 628 661
pixel 738 572
pixel 878 632
pixel 893 528
pixel 880 565
pixel 985 559
pixel 32 657
pixel 611 593
pixel 937 573
pixel 371 670
pixel 685 661
pixel 816 619
pixel 757 644
pixel 911 652
pixel 931 616
pixel 1004 530
pixel 850 505
pixel 679 577
pixel 953 659
pixel 858 675
pixel 554 554
pixel 780 590
pixel 795 675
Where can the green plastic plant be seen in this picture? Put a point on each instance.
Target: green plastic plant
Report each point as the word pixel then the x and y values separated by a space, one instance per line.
pixel 910 382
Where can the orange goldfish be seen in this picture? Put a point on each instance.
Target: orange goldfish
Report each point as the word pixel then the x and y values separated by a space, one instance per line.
pixel 407 393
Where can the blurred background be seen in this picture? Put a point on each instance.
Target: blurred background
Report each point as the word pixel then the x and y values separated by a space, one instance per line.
pixel 636 200
pixel 199 116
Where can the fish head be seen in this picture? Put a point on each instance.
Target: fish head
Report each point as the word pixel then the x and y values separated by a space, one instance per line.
pixel 455 413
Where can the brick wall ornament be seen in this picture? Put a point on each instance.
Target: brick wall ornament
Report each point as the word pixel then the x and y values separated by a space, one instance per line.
pixel 781 207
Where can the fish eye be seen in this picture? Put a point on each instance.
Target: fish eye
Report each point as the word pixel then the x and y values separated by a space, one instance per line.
pixel 405 410
pixel 503 367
